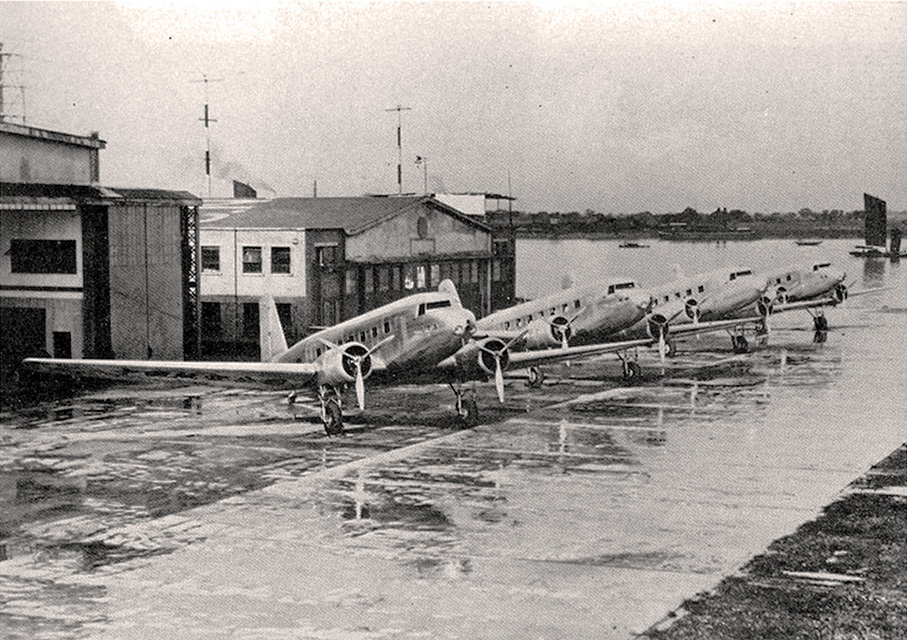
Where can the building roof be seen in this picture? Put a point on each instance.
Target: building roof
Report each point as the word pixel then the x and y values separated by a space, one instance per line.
pixel 352 214
pixel 74 194
pixel 92 141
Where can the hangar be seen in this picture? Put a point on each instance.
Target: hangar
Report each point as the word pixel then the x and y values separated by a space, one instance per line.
pixel 328 259
pixel 87 270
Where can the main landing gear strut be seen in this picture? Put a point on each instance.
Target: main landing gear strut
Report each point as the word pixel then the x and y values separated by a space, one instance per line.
pixel 331 409
pixel 631 368
pixel 467 407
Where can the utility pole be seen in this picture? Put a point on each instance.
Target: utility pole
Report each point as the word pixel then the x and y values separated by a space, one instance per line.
pixel 399 111
pixel 207 120
pixel 4 85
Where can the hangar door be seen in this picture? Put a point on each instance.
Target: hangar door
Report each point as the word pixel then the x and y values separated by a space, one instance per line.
pixel 24 334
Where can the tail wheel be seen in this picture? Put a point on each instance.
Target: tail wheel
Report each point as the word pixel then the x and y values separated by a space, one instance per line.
pixel 740 344
pixel 333 418
pixel 469 412
pixel 536 377
pixel 631 371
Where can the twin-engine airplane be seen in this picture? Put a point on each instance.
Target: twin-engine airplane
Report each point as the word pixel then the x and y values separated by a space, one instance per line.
pixel 426 337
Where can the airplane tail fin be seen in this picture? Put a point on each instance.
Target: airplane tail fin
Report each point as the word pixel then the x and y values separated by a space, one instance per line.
pixel 270 330
pixel 447 286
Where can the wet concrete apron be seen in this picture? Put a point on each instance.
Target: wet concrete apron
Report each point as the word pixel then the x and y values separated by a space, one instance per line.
pixel 579 510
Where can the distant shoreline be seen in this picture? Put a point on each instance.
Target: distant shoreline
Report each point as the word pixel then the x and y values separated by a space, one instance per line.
pixel 852 234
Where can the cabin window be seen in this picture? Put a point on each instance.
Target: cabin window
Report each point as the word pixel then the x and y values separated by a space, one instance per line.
pixel 733 276
pixel 576 304
pixel 351 339
pixel 778 281
pixel 701 289
pixel 387 326
pixel 211 259
pixel 667 298
pixel 507 324
pixel 251 259
pixel 678 294
pixel 564 308
pixel 362 336
pixel 788 277
pixel 689 292
pixel 280 259
pixel 610 289
pixel 42 256
pixel 326 255
pixel 318 352
pixel 553 310
pixel 519 322
pixel 374 332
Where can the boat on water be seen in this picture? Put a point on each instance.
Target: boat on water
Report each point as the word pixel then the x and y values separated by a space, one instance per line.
pixel 632 245
pixel 809 243
pixel 869 251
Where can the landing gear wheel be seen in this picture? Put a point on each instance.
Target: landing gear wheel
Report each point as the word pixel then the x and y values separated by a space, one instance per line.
pixel 469 412
pixel 333 418
pixel 536 377
pixel 631 371
pixel 740 344
pixel 670 348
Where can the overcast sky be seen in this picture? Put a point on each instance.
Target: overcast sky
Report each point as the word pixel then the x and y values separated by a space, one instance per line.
pixel 614 107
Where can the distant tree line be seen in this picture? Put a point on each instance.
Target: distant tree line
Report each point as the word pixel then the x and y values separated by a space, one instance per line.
pixel 828 223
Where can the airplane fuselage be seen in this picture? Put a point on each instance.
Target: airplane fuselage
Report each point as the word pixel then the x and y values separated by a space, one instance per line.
pixel 795 283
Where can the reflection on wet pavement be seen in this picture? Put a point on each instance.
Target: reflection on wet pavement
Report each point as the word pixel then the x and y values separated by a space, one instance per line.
pixel 585 508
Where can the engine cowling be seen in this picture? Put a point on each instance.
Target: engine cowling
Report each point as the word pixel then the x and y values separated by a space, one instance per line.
pixel 691 308
pixel 839 293
pixel 657 325
pixel 781 295
pixel 474 361
pixel 551 333
pixel 765 305
pixel 338 365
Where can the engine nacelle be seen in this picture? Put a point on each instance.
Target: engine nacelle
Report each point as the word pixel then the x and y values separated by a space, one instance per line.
pixel 691 307
pixel 338 365
pixel 781 295
pixel 473 361
pixel 656 325
pixel 544 334
pixel 765 305
pixel 839 293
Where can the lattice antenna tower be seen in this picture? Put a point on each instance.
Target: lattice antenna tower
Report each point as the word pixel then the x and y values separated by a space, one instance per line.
pixel 12 90
pixel 207 120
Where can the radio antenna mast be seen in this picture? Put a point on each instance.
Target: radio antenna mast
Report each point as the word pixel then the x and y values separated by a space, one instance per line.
pixel 4 86
pixel 207 120
pixel 399 111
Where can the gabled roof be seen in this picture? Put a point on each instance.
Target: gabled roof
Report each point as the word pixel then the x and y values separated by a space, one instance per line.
pixel 23 192
pixel 352 214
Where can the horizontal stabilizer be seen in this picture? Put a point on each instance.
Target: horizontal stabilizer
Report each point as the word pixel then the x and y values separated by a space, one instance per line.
pixel 270 330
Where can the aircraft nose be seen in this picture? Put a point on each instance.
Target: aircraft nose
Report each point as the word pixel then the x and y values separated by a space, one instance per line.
pixel 642 301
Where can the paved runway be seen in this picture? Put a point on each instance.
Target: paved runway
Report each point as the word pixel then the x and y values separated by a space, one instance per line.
pixel 585 509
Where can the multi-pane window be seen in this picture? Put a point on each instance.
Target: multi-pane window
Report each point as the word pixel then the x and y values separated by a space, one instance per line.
pixel 367 276
pixel 326 255
pixel 420 276
pixel 211 259
pixel 280 259
pixel 383 278
pixel 211 320
pixel 473 271
pixel 496 270
pixel 251 259
pixel 435 274
pixel 42 256
pixel 350 282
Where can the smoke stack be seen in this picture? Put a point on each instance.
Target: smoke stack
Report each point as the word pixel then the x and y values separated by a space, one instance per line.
pixel 242 190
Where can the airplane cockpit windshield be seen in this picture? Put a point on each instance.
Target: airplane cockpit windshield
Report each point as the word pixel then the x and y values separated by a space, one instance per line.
pixel 821 265
pixel 426 306
pixel 623 285
pixel 741 274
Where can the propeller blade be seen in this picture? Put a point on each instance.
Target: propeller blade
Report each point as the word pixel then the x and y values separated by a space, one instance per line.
pixel 360 385
pixel 662 348
pixel 564 344
pixel 499 379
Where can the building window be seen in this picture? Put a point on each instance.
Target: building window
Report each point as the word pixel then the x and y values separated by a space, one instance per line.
pixel 280 259
pixel 211 259
pixel 326 255
pixel 42 256
pixel 473 271
pixel 211 320
pixel 383 278
pixel 369 284
pixel 250 319
pixel 251 259
pixel 435 274
pixel 455 272
pixel 351 279
pixel 496 270
pixel 408 282
pixel 420 276
pixel 396 277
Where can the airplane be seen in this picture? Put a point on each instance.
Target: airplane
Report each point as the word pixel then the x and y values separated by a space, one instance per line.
pixel 425 337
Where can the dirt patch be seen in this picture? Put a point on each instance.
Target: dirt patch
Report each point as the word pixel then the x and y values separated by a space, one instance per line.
pixel 841 576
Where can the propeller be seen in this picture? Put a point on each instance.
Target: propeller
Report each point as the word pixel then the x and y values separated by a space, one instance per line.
pixel 563 328
pixel 498 369
pixel 764 306
pixel 662 348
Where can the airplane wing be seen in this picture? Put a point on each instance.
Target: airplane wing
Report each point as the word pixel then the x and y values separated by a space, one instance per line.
pixel 691 329
pixel 288 375
pixel 541 356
